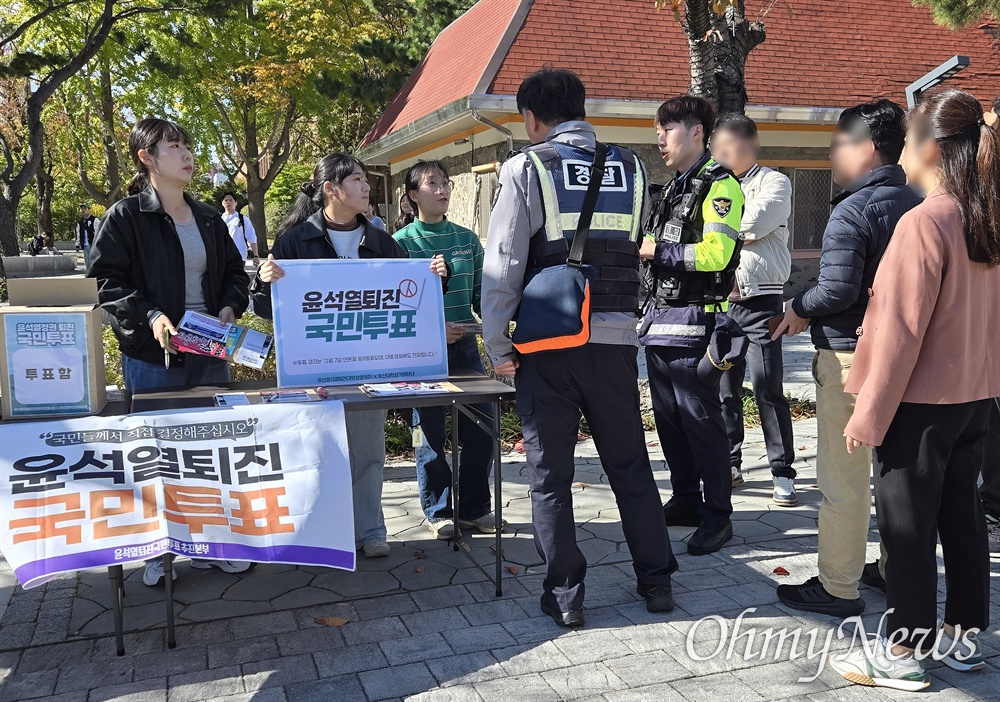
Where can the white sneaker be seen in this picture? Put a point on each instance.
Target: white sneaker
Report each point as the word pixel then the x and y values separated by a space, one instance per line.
pixel 962 655
pixel 486 523
pixel 784 492
pixel 153 574
pixel 881 668
pixel 224 566
pixel 442 529
pixel 737 476
pixel 375 549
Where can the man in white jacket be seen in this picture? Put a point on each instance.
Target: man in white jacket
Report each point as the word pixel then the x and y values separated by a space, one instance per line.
pixel 765 264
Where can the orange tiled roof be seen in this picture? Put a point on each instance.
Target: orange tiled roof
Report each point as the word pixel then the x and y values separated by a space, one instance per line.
pixel 824 55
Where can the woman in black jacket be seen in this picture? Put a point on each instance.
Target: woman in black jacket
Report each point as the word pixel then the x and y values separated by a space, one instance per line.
pixel 328 221
pixel 159 253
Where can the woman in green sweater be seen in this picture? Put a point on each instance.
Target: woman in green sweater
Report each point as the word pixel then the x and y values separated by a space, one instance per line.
pixel 428 189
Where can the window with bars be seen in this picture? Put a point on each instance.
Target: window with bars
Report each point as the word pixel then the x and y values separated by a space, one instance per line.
pixel 812 190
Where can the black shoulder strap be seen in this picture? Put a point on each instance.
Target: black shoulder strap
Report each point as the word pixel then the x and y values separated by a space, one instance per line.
pixel 589 204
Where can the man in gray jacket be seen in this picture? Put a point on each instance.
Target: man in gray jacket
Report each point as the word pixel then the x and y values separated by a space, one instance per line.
pixel 765 264
pixel 541 189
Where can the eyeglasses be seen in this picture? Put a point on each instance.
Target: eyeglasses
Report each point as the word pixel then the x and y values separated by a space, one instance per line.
pixel 435 185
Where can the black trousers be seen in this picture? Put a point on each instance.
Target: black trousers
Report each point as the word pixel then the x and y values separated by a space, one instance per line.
pixel 553 389
pixel 990 489
pixel 766 369
pixel 926 472
pixel 692 433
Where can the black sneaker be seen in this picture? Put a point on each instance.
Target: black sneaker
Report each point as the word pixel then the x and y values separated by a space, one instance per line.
pixel 871 577
pixel 680 513
pixel 572 619
pixel 659 598
pixel 710 539
pixel 811 596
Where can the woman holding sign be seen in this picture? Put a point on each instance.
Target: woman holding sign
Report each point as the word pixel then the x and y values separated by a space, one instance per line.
pixel 158 254
pixel 328 221
pixel 428 190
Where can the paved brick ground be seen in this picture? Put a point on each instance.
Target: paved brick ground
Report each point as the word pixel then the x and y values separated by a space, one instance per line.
pixel 440 633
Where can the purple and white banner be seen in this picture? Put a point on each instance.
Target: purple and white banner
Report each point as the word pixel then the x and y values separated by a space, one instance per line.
pixel 262 483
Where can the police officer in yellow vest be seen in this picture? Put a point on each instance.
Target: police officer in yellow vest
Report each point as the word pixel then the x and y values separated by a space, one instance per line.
pixel 692 250
pixel 543 191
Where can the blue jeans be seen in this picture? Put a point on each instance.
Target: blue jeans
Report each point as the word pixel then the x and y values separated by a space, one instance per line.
pixel 433 472
pixel 196 370
pixel 366 448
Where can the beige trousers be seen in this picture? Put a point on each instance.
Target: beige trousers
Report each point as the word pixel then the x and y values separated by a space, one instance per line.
pixel 843 478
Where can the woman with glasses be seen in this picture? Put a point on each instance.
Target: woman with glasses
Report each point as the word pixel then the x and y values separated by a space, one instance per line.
pixel 428 192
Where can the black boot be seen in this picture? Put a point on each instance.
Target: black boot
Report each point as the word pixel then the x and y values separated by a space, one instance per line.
pixel 710 539
pixel 659 598
pixel 871 577
pixel 811 596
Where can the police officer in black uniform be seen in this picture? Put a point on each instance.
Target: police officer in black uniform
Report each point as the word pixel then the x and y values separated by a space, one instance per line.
pixel 693 253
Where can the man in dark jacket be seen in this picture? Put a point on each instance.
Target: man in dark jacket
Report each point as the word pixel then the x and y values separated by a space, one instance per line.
pixel 864 153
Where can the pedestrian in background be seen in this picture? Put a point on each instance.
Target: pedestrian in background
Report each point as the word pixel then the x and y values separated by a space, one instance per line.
pixel 86 229
pixel 864 155
pixel 765 264
pixel 240 228
pixel 405 213
pixel 428 188
pixel 926 370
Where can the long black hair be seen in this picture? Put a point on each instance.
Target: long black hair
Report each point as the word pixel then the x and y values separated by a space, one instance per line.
pixel 970 165
pixel 415 174
pixel 332 168
pixel 147 134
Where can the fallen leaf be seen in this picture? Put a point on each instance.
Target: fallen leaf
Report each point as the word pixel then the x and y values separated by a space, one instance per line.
pixel 420 569
pixel 420 554
pixel 780 571
pixel 581 437
pixel 494 550
pixel 802 448
pixel 330 621
pixel 512 569
pixel 581 485
pixel 652 444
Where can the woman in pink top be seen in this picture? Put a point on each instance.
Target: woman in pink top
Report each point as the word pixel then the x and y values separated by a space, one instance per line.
pixel 926 365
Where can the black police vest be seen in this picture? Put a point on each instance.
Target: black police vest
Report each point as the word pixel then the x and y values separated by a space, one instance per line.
pixel 676 218
pixel 612 246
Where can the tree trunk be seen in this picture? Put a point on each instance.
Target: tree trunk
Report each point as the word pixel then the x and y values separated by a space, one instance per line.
pixel 255 196
pixel 719 46
pixel 9 244
pixel 44 185
pixel 112 164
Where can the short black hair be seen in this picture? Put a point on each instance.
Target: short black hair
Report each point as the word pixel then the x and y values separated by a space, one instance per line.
pixel 882 121
pixel 688 110
pixel 553 95
pixel 84 205
pixel 738 124
pixel 229 193
pixel 996 105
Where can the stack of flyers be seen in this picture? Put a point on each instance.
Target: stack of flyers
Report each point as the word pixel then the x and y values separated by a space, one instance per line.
pixel 390 389
pixel 206 336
